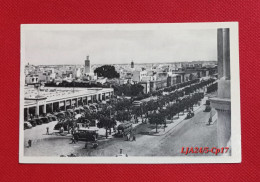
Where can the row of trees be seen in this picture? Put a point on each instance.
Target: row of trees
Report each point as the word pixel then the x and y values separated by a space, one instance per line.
pixel 124 109
pixel 180 85
pixel 128 89
pixel 171 110
pixel 194 85
pixel 156 111
pixel 212 88
pixel 74 84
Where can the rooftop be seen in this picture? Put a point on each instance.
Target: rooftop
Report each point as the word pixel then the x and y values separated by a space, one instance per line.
pixel 60 93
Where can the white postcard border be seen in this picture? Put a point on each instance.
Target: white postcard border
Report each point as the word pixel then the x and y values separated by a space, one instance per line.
pixel 235 96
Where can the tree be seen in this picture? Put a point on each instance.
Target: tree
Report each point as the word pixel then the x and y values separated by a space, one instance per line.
pixel 129 90
pixel 150 106
pixel 123 116
pixel 157 119
pixel 136 89
pixel 107 71
pixel 212 88
pixel 124 104
pixel 164 113
pixel 106 122
pixel 137 111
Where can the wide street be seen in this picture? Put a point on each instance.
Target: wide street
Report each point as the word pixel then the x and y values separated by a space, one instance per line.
pixel 192 132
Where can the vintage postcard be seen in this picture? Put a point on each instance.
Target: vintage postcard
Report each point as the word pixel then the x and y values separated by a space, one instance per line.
pixel 130 93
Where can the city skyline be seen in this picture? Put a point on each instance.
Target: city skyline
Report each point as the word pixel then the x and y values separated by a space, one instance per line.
pixel 120 47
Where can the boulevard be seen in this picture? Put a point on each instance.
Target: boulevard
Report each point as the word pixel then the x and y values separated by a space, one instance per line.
pixel 192 132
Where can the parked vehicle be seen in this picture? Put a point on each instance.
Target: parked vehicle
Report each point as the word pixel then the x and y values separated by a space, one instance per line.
pixel 86 107
pixel 86 134
pixel 93 108
pixel 33 122
pixel 66 124
pixel 52 118
pixel 38 121
pixel 208 107
pixel 70 111
pixel 27 125
pixel 190 115
pixel 44 119
pixel 207 102
pixel 81 109
pixel 60 114
pixel 123 129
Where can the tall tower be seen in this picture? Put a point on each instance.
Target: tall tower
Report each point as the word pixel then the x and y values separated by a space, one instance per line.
pixel 87 65
pixel 132 64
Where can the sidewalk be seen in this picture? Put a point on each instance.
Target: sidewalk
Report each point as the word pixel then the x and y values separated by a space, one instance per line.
pixel 162 131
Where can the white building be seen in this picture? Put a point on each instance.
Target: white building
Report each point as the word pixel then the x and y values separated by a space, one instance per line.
pixel 31 79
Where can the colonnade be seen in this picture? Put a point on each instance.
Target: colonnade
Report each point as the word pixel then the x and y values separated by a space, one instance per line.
pixel 43 107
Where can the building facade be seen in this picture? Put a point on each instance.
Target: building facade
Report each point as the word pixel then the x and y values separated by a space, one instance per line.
pixel 50 100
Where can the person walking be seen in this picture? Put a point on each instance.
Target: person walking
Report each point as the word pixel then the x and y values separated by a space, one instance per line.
pixel 76 137
pixel 61 129
pixel 47 131
pixel 128 137
pixel 133 137
pixel 29 143
pixel 73 140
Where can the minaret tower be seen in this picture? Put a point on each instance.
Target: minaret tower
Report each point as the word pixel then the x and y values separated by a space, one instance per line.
pixel 132 64
pixel 87 65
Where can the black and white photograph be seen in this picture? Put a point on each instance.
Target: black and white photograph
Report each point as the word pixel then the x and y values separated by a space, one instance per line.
pixel 130 93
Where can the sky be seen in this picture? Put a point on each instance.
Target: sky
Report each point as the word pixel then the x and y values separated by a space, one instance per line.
pixel 119 46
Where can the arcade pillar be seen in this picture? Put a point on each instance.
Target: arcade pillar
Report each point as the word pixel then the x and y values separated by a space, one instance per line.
pixel 44 109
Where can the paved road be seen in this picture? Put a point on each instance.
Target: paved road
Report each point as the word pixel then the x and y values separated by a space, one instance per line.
pixel 39 132
pixel 189 133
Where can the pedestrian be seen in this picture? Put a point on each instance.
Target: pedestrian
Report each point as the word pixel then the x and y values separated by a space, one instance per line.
pixel 76 138
pixel 128 137
pixel 29 143
pixel 134 137
pixel 86 145
pixel 61 129
pixel 47 131
pixel 73 140
pixel 95 145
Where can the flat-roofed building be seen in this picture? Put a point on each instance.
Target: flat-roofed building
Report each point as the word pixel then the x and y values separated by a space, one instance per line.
pixel 31 79
pixel 51 99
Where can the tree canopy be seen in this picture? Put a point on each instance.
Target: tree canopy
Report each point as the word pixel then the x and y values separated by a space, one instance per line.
pixel 107 71
pixel 128 90
pixel 157 119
